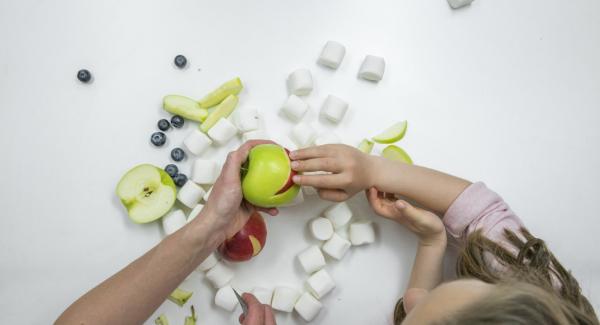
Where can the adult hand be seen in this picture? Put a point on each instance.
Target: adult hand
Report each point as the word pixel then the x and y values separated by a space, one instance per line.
pixel 258 314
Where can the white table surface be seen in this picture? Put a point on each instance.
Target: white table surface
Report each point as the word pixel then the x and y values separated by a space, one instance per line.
pixel 507 92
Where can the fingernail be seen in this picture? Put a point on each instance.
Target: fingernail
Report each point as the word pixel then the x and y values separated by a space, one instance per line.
pixel 295 164
pixel 292 154
pixel 296 178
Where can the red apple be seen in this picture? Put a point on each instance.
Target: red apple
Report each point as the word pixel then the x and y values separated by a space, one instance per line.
pixel 247 242
pixel 289 183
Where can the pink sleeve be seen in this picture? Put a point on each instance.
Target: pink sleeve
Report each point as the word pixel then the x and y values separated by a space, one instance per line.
pixel 478 207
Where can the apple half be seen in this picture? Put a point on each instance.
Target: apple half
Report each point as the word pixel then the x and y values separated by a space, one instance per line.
pixel 247 242
pixel 267 177
pixel 147 192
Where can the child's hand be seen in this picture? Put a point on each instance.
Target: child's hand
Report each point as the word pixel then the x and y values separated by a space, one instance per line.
pixel 426 225
pixel 349 170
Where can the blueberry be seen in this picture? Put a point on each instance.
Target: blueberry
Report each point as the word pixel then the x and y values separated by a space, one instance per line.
pixel 177 121
pixel 84 75
pixel 163 125
pixel 180 61
pixel 180 179
pixel 177 154
pixel 158 139
pixel 172 170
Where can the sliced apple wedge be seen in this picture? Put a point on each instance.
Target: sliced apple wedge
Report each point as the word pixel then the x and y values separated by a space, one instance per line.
pixel 185 107
pixel 180 296
pixel 223 110
pixel 231 87
pixel 191 320
pixel 366 146
pixel 161 320
pixel 147 192
pixel 396 153
pixel 392 134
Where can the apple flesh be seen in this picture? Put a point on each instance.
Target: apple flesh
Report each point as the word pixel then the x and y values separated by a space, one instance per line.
pixel 247 242
pixel 267 177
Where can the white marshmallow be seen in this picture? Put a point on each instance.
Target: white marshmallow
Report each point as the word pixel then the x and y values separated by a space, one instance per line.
pixel 320 284
pixel 207 195
pixel 311 259
pixel 195 211
pixel 298 199
pixel 263 295
pixel 197 142
pixel 344 231
pixel 300 82
pixel 327 138
pixel 247 119
pixel 220 275
pixel 205 171
pixel 321 228
pixel 339 214
pixel 208 263
pixel 455 4
pixel 222 131
pixel 332 54
pixel 362 232
pixel 302 134
pixel 336 246
pixel 173 221
pixel 294 108
pixel 308 307
pixel 226 298
pixel 284 299
pixel 255 135
pixel 190 194
pixel 334 109
pixel 372 68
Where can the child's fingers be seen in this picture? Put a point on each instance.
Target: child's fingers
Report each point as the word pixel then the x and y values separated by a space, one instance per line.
pixel 333 195
pixel 328 181
pixel 381 206
pixel 326 164
pixel 310 152
pixel 411 214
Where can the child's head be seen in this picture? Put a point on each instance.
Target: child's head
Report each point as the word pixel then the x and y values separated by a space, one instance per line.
pixel 534 288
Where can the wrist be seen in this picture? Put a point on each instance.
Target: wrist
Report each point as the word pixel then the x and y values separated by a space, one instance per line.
pixel 204 232
pixel 373 168
pixel 437 240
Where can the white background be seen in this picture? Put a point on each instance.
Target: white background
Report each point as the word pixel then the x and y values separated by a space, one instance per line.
pixel 507 92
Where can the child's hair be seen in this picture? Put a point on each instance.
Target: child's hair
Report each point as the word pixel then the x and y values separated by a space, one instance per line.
pixel 534 287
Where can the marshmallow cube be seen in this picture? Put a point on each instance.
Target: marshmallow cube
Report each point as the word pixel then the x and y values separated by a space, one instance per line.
pixel 255 135
pixel 207 195
pixel 263 295
pixel 209 262
pixel 247 119
pixel 205 171
pixel 173 221
pixel 226 298
pixel 195 211
pixel 336 247
pixel 219 275
pixel 372 68
pixel 284 299
pixel 223 131
pixel 308 307
pixel 344 232
pixel 321 228
pixel 339 214
pixel 455 4
pixel 362 233
pixel 332 54
pixel 190 194
pixel 320 284
pixel 327 138
pixel 303 134
pixel 334 109
pixel 294 108
pixel 300 82
pixel 311 259
pixel 197 142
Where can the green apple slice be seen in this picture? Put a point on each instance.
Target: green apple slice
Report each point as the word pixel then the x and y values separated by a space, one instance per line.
pixel 231 87
pixel 147 192
pixel 396 153
pixel 392 134
pixel 366 146
pixel 222 111
pixel 180 296
pixel 185 107
pixel 161 320
pixel 191 320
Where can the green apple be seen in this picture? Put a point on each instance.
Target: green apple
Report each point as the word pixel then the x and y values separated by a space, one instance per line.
pixel 161 320
pixel 267 176
pixel 396 153
pixel 180 296
pixel 231 87
pixel 185 107
pixel 147 192
pixel 366 146
pixel 223 110
pixel 191 320
pixel 392 134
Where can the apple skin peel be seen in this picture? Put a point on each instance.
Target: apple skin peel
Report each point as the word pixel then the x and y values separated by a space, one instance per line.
pixel 266 178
